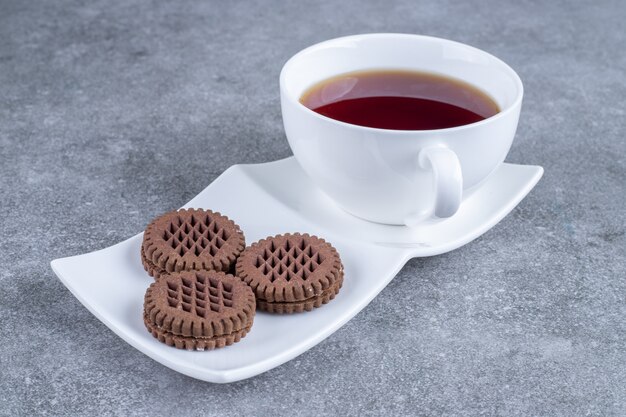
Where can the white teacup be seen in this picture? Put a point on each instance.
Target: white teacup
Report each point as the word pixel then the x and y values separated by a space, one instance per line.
pixel 398 176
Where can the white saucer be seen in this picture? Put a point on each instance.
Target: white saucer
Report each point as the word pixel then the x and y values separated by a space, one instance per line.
pixel 268 199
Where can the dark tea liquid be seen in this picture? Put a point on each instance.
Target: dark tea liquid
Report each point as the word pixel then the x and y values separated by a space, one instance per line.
pixel 399 100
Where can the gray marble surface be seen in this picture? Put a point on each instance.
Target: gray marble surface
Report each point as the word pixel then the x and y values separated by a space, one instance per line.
pixel 112 112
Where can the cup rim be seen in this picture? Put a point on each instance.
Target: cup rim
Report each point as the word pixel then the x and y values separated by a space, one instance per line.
pixel 502 113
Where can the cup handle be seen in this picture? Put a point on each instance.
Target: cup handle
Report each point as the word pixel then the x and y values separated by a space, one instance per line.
pixel 448 184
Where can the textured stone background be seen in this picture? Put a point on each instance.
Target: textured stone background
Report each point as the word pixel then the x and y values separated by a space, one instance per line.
pixel 112 112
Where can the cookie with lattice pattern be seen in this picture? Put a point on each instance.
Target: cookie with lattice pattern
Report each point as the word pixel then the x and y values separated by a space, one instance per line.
pixel 199 310
pixel 291 273
pixel 191 240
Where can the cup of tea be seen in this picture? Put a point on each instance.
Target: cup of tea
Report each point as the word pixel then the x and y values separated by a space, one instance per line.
pixel 395 128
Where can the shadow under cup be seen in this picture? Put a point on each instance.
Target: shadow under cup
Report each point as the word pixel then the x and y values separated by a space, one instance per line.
pixel 376 174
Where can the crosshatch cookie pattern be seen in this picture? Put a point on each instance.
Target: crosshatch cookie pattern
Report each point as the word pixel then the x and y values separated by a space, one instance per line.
pixel 199 310
pixel 191 239
pixel 291 273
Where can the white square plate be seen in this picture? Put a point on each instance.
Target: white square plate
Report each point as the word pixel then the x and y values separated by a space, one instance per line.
pixel 268 199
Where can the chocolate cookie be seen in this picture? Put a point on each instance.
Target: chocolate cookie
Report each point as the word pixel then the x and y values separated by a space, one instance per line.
pixel 199 310
pixel 291 273
pixel 191 239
